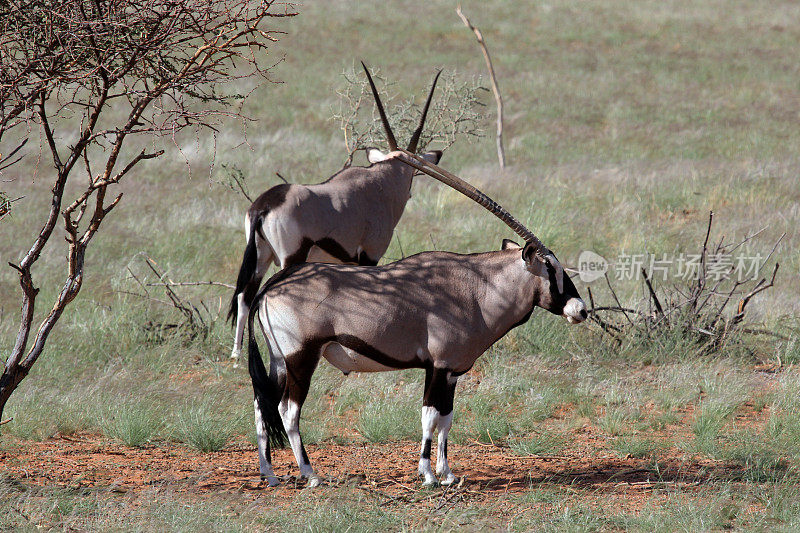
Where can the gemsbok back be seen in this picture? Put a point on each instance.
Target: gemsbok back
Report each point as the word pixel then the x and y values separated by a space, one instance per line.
pixel 435 310
pixel 349 218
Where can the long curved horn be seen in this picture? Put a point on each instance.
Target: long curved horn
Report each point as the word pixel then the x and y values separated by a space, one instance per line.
pixel 412 145
pixel 469 191
pixel 389 135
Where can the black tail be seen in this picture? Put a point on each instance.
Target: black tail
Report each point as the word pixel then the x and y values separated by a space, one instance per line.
pixel 246 271
pixel 268 388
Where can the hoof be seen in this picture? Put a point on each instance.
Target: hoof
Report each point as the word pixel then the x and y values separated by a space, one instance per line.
pixel 272 481
pixel 235 354
pixel 449 480
pixel 314 481
pixel 429 481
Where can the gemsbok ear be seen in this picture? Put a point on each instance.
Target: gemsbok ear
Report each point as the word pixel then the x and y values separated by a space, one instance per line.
pixel 434 156
pixel 529 253
pixel 509 244
pixel 375 156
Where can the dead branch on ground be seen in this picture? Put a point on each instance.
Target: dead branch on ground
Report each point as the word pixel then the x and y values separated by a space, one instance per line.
pixel 198 318
pixel 697 308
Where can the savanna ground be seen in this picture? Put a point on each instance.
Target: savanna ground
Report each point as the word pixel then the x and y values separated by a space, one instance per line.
pixel 626 122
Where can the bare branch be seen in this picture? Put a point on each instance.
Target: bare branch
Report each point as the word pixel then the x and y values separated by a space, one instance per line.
pixel 656 302
pixel 5 161
pixel 614 294
pixel 708 326
pixel 760 287
pixel 191 284
pixel 501 155
pixel 455 113
pixel 153 61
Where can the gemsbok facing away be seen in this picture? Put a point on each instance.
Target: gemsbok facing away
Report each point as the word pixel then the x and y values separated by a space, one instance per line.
pixel 349 218
pixel 435 310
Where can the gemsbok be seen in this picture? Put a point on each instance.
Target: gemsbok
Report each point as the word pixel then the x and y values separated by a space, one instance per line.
pixel 349 218
pixel 435 310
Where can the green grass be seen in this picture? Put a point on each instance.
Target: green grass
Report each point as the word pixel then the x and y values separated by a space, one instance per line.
pixel 616 421
pixel 134 425
pixel 203 427
pixel 485 421
pixel 544 443
pixel 386 420
pixel 624 125
pixel 638 447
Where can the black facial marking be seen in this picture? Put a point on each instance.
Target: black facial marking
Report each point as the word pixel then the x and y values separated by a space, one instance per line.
pixel 570 291
pixel 426 450
pixel 557 300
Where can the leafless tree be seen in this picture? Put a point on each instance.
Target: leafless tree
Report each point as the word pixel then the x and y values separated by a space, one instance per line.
pixel 105 72
pixel 456 112
pixel 698 307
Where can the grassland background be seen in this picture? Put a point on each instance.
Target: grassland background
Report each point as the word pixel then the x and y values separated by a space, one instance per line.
pixel 626 122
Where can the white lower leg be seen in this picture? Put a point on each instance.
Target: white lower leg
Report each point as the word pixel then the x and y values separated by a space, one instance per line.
pixel 430 417
pixel 442 467
pixel 241 321
pixel 264 466
pixel 290 414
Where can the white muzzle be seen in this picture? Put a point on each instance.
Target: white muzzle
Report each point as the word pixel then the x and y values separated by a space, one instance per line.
pixel 575 311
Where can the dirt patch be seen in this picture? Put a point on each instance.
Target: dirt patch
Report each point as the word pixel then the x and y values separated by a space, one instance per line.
pixel 388 470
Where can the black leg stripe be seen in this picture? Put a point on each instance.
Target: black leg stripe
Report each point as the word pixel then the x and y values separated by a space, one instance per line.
pixel 444 449
pixel 426 450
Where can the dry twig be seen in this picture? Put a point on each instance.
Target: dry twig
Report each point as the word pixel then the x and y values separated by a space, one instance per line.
pixel 700 308
pixel 455 113
pixel 501 155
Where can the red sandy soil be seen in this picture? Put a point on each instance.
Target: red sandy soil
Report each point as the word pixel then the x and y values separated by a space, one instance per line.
pixel 491 475
pixel 389 470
